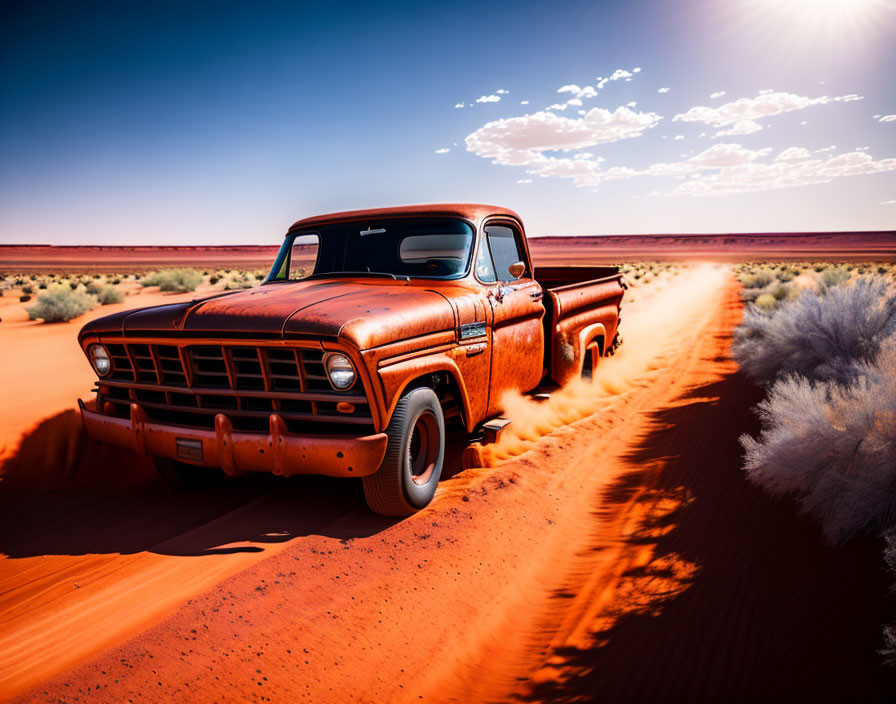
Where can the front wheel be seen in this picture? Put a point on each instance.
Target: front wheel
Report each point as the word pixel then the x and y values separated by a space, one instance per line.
pixel 412 465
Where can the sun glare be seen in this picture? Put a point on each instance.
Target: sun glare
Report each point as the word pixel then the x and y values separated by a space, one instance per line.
pixel 809 21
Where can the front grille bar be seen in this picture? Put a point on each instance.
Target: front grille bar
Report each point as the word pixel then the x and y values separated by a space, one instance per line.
pixel 191 383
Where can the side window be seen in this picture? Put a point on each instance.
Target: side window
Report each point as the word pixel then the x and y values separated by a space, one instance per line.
pixel 504 250
pixel 302 257
pixel 485 270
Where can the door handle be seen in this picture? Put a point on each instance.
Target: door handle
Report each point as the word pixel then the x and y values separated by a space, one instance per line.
pixel 536 295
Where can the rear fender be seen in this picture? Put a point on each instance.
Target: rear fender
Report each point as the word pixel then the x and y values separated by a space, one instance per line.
pixel 570 347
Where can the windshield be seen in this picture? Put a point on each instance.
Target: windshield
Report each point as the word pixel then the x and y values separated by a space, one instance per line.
pixel 431 248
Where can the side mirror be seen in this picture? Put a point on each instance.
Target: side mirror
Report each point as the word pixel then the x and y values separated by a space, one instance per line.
pixel 517 269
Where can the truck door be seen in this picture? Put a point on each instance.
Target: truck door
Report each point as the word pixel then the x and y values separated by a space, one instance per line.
pixel 517 333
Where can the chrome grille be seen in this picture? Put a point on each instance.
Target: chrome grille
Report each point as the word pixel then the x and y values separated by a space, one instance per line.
pixel 189 385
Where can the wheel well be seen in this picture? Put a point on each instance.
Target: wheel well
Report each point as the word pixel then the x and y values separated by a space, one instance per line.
pixel 447 390
pixel 588 357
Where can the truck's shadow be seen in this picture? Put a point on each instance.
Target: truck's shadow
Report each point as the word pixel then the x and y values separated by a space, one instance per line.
pixel 63 493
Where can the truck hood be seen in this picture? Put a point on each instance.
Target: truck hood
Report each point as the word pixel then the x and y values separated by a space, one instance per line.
pixel 366 313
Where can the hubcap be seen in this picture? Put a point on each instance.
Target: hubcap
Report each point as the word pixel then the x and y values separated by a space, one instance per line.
pixel 423 447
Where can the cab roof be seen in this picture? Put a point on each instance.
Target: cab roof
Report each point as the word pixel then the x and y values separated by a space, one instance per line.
pixel 475 212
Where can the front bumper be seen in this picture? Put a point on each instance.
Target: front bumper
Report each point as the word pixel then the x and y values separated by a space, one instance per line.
pixel 278 452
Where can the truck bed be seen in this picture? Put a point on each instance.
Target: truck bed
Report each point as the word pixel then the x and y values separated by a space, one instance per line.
pixel 576 298
pixel 558 276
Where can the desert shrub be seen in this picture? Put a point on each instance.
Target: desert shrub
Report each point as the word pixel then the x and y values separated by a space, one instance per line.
pixel 213 280
pixel 27 289
pixel 780 291
pixel 765 302
pixel 109 294
pixel 785 274
pixel 24 298
pixel 819 335
pixel 60 303
pixel 173 280
pixel 238 280
pixel 750 294
pixel 832 446
pixel 834 276
pixel 760 279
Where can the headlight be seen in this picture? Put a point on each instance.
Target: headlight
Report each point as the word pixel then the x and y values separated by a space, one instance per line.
pixel 340 371
pixel 99 357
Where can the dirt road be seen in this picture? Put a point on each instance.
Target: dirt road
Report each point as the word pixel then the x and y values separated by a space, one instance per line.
pixel 612 551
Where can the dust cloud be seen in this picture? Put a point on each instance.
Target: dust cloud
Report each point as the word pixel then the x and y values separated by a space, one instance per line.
pixel 652 327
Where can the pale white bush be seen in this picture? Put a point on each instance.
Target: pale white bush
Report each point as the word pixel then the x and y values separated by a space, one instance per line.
pixel 832 446
pixel 820 334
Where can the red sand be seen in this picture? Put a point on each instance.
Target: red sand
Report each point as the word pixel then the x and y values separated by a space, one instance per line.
pixel 623 557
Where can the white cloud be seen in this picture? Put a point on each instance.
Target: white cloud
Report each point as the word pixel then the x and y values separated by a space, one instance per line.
pixel 888 202
pixel 631 104
pixel 826 149
pixel 574 101
pixel 458 105
pixel 793 154
pixel 578 92
pixel 582 112
pixel 524 102
pixel 664 90
pixel 887 118
pixel 501 91
pixel 616 75
pixel 741 127
pixel 791 168
pixel 443 150
pixel 717 94
pixel 679 137
pixel 765 104
pixel 523 140
pixel 488 98
pixel 557 106
pixel 524 180
pixel 804 123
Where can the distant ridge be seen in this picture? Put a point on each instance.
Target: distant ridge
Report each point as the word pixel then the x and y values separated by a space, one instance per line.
pixel 863 245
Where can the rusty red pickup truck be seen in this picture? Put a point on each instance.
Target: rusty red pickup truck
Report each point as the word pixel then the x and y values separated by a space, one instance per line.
pixel 373 329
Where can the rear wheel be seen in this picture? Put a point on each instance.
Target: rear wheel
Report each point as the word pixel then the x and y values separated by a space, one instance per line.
pixel 187 476
pixel 412 465
pixel 590 361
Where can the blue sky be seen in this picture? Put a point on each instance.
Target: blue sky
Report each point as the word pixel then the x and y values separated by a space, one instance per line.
pixel 221 123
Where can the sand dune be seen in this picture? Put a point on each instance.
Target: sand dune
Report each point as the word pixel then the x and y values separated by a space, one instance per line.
pixel 613 551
